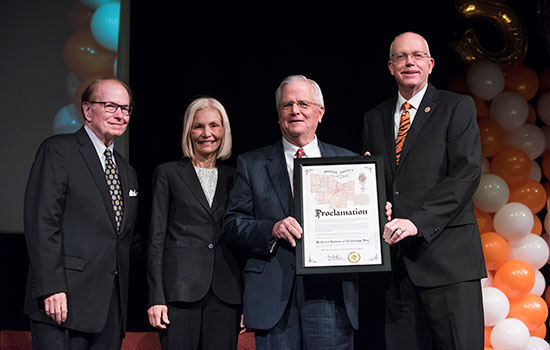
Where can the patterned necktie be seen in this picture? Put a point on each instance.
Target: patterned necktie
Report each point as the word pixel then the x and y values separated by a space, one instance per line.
pixel 300 153
pixel 404 126
pixel 113 181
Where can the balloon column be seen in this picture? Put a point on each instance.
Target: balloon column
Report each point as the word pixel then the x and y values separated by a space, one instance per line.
pixel 90 52
pixel 515 137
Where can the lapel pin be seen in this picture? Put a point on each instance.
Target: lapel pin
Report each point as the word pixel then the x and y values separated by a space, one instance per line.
pixel 427 109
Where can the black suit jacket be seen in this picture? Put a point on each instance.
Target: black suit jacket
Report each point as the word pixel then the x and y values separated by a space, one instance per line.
pixel 186 255
pixel 260 197
pixel 70 231
pixel 438 173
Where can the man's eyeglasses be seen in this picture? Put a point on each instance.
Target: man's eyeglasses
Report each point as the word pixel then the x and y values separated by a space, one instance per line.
pixel 402 56
pixel 302 105
pixel 111 107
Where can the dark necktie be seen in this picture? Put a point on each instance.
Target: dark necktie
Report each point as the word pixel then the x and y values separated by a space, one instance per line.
pixel 404 126
pixel 300 153
pixel 113 181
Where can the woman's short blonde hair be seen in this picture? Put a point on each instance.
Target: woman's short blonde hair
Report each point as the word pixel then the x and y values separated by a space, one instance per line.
pixel 224 151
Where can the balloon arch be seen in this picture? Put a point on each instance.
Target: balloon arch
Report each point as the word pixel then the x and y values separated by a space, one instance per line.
pixel 511 202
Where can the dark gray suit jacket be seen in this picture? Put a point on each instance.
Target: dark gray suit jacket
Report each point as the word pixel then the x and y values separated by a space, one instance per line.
pixel 261 196
pixel 438 173
pixel 70 231
pixel 186 255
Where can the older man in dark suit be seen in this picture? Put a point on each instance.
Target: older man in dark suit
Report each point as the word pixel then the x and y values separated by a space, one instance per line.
pixel 432 155
pixel 80 209
pixel 287 311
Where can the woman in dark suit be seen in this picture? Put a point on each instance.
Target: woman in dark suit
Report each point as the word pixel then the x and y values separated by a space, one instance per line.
pixel 194 279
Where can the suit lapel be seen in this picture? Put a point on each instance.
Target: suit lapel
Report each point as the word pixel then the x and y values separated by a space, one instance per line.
pixel 190 179
pixel 221 193
pixel 276 168
pixel 89 154
pixel 425 110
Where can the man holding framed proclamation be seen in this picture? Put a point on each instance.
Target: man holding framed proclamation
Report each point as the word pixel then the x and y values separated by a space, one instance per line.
pixel 340 203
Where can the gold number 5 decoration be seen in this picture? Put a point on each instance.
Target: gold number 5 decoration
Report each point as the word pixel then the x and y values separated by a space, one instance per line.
pixel 468 47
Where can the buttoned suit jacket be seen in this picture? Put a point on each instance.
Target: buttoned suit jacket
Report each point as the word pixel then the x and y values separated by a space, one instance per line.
pixel 262 196
pixel 438 172
pixel 186 255
pixel 71 235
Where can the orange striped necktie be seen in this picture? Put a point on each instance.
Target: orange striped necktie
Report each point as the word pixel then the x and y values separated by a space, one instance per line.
pixel 404 126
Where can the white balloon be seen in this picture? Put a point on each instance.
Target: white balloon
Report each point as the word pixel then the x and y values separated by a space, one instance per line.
pixel 543 107
pixel 509 109
pixel 67 120
pixel 532 249
pixel 510 334
pixel 495 306
pixel 536 343
pixel 485 80
pixel 529 138
pixel 540 284
pixel 491 194
pixel 536 171
pixel 514 221
pixel 485 166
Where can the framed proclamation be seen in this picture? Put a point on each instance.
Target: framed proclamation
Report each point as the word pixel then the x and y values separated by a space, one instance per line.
pixel 340 204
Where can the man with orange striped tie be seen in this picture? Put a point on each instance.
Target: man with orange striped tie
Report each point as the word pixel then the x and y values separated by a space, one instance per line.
pixel 430 142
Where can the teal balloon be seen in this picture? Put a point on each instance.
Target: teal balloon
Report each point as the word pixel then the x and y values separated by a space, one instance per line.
pixel 105 24
pixel 67 120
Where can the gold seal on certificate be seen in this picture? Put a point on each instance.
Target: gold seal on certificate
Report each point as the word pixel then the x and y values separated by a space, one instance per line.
pixel 354 257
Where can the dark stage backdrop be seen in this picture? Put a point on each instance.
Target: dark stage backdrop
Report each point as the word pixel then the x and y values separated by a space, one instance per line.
pixel 239 53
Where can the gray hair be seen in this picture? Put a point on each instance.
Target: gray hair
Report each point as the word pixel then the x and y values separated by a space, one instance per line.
pixel 317 94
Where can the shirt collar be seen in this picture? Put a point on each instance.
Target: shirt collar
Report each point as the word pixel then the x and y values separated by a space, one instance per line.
pixel 414 101
pixel 311 149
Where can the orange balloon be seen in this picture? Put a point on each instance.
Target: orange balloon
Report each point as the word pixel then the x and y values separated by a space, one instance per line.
pixel 545 166
pixel 531 310
pixel 523 80
pixel 537 225
pixel 85 57
pixel 547 296
pixel 512 164
pixel 532 115
pixel 80 17
pixel 496 250
pixel 515 279
pixel 540 331
pixel 493 137
pixel 487 337
pixel 529 192
pixel 482 107
pixel 484 220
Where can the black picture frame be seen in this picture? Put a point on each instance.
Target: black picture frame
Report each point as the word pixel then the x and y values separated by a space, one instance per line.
pixel 307 167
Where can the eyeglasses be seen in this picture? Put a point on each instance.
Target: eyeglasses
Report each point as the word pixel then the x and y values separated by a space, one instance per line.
pixel 302 105
pixel 402 56
pixel 111 107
